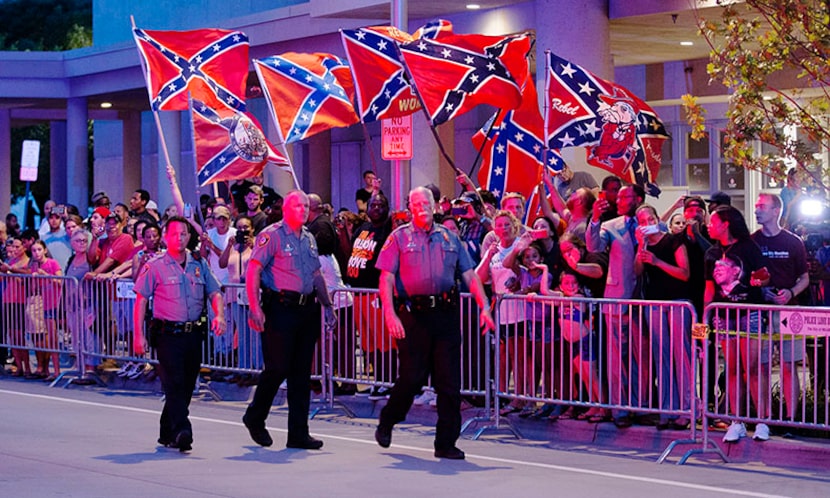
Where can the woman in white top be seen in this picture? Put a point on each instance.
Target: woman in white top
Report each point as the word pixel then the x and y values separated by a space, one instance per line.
pixel 511 312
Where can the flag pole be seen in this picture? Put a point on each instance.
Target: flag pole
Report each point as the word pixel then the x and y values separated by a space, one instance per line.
pixel 426 113
pixel 546 108
pixel 279 130
pixel 155 111
pixel 198 207
pixel 484 144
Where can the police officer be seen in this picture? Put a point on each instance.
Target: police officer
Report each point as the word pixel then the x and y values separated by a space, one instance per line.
pixel 418 262
pixel 284 264
pixel 179 285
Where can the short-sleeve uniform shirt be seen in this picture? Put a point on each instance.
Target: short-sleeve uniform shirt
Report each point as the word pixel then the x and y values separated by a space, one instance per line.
pixel 288 261
pixel 424 262
pixel 178 293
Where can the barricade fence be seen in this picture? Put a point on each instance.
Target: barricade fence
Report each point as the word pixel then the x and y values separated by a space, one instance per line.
pixel 766 364
pixel 599 354
pixel 771 365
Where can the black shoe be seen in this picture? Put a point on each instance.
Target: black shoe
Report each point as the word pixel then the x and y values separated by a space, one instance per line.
pixel 383 435
pixel 258 432
pixel 184 441
pixel 345 390
pixel 309 443
pixel 623 422
pixel 163 441
pixel 452 453
pixel 664 426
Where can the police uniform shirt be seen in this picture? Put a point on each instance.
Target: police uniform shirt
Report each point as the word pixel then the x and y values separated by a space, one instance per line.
pixel 178 294
pixel 287 260
pixel 424 263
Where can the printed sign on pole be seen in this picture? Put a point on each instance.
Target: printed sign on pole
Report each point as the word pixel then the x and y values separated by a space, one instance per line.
pixel 396 138
pixel 29 159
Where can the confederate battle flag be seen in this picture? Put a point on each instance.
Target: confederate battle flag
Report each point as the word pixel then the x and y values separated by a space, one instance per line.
pixel 380 83
pixel 513 152
pixel 458 72
pixel 307 93
pixel 211 64
pixel 229 145
pixel 620 132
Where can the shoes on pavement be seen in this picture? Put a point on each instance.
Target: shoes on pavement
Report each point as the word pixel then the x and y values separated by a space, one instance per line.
pixel 734 433
pixel 345 390
pixel 379 393
pixel 623 422
pixel 383 435
pixel 258 432
pixel 184 441
pixel 761 432
pixel 452 453
pixel 309 443
pixel 425 398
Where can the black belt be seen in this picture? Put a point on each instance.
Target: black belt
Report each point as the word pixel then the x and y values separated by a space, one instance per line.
pixel 289 298
pixel 170 327
pixel 445 300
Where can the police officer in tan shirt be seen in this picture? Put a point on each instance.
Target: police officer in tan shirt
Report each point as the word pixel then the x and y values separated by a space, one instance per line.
pixel 179 285
pixel 418 264
pixel 285 266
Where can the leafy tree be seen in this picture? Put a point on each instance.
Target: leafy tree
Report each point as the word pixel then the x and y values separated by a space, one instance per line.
pixel 772 55
pixel 45 25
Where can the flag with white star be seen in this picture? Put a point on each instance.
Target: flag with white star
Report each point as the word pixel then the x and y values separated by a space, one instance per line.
pixel 621 133
pixel 458 72
pixel 307 93
pixel 381 87
pixel 230 144
pixel 210 64
pixel 513 151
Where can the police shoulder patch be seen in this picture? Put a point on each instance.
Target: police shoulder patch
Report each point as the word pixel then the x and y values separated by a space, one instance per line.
pixel 386 243
pixel 263 239
pixel 145 269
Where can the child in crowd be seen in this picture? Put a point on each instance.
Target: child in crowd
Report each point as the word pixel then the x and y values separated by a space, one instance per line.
pixel 575 323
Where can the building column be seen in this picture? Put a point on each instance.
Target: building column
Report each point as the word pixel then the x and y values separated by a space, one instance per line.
pixel 584 40
pixel 57 162
pixel 5 163
pixel 77 152
pixel 131 152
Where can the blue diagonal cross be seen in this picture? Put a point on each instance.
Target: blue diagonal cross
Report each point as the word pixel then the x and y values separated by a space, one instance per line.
pixel 191 68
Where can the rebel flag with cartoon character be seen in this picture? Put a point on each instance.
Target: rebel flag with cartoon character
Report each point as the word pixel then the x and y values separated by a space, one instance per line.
pixel 620 132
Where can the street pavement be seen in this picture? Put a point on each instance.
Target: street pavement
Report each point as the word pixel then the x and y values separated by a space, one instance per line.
pixel 94 441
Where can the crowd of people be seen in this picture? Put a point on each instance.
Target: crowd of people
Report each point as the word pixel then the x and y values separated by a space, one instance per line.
pixel 589 239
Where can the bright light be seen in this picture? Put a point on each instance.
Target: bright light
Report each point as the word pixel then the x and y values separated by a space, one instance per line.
pixel 473 6
pixel 687 43
pixel 106 105
pixel 811 207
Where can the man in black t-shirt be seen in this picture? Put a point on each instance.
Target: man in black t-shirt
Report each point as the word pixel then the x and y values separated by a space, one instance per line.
pixel 361 272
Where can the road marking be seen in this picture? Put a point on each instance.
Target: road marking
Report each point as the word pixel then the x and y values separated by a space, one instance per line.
pixel 561 468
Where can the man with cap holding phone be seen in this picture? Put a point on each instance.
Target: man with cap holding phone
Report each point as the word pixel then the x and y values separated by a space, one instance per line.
pixel 719 199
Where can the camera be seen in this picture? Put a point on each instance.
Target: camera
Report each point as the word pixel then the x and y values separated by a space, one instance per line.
pixel 241 235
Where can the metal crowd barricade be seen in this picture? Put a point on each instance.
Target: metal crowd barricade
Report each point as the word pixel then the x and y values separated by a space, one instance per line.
pixel 361 352
pixel 39 314
pixel 772 368
pixel 600 354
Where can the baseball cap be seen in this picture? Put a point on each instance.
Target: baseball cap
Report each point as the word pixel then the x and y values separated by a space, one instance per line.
pixel 468 197
pixel 113 216
pixel 102 211
pixel 221 212
pixel 694 201
pixel 55 212
pixel 97 196
pixel 720 198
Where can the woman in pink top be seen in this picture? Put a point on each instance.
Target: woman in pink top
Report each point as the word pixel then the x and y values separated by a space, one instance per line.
pixel 14 304
pixel 50 292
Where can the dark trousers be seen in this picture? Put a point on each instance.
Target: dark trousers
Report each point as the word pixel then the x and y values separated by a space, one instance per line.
pixel 180 356
pixel 432 346
pixel 287 349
